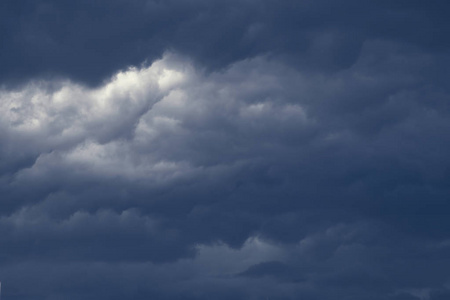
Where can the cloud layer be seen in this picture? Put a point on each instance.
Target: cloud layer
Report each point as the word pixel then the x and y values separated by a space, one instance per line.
pixel 249 150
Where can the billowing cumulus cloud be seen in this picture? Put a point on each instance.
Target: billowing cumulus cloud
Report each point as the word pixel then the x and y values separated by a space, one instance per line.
pixel 224 150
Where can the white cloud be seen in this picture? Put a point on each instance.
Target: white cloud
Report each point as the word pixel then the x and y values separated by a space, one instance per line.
pixel 147 122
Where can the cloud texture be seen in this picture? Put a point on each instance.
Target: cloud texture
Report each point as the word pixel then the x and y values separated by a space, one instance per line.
pixel 224 150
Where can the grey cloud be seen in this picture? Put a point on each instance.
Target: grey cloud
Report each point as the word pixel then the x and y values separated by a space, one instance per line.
pixel 293 150
pixel 89 41
pixel 272 268
pixel 259 149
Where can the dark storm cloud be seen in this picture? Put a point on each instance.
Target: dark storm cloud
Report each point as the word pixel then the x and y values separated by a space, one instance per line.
pixel 88 41
pixel 293 150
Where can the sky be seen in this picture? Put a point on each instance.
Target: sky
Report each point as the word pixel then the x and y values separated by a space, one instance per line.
pixel 238 149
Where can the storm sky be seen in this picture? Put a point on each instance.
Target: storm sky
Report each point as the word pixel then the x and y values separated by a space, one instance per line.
pixel 238 149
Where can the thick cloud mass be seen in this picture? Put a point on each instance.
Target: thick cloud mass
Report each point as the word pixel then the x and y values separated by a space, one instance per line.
pixel 88 40
pixel 224 150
